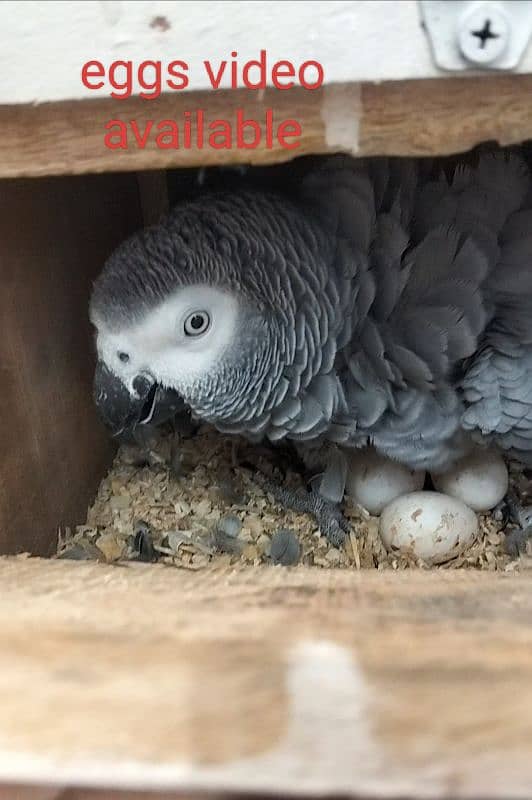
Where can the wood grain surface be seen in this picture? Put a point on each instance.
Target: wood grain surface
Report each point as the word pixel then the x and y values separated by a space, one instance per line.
pixel 54 236
pixel 426 117
pixel 297 681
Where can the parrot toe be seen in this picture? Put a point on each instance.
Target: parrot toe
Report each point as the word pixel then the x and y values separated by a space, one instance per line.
pixel 331 522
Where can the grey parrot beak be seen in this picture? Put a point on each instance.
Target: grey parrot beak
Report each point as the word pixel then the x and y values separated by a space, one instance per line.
pixel 122 411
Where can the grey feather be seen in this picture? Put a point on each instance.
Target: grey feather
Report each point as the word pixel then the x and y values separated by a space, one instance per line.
pixel 384 304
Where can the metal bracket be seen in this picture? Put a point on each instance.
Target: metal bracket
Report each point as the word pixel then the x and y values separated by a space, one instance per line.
pixel 490 34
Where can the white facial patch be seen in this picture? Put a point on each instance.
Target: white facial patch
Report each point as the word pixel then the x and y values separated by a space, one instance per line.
pixel 165 343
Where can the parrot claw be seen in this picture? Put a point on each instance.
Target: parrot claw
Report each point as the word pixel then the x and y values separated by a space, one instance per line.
pixel 331 522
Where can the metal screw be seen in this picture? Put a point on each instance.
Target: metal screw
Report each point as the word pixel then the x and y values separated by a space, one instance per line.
pixel 484 33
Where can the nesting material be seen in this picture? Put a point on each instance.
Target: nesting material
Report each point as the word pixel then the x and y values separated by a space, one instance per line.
pixel 212 510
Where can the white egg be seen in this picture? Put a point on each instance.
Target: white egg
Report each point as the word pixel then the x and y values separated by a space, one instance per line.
pixel 373 480
pixel 429 525
pixel 480 480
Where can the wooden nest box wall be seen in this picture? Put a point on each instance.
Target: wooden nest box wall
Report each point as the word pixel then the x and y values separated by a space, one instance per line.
pixel 448 658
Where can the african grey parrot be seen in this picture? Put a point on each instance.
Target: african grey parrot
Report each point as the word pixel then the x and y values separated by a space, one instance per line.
pixel 381 302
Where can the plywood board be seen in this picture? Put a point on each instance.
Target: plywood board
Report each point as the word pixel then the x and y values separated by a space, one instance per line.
pixel 54 237
pixel 304 682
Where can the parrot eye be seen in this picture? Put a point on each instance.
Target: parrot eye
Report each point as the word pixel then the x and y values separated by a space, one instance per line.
pixel 197 323
pixel 123 357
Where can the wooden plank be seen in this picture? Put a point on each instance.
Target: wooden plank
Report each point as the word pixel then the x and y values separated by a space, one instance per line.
pixel 442 117
pixel 431 117
pixel 54 237
pixel 300 681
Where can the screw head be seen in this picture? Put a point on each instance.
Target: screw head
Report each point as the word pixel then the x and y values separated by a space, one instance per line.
pixel 484 33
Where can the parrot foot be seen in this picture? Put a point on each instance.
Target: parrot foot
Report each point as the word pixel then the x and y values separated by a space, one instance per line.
pixel 517 539
pixel 331 522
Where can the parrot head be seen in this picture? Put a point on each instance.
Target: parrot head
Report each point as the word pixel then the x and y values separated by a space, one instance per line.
pixel 181 352
pixel 193 312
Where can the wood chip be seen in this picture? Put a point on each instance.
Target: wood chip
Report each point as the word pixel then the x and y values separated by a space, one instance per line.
pixel 354 547
pixel 184 511
pixel 112 547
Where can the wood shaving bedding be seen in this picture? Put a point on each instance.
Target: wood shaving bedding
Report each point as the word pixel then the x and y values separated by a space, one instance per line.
pixel 207 508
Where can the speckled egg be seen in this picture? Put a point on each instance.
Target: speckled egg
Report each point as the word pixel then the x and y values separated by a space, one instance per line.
pixel 480 480
pixel 428 525
pixel 373 481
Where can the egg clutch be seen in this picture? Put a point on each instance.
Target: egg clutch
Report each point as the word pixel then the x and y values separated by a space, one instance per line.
pixel 432 525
